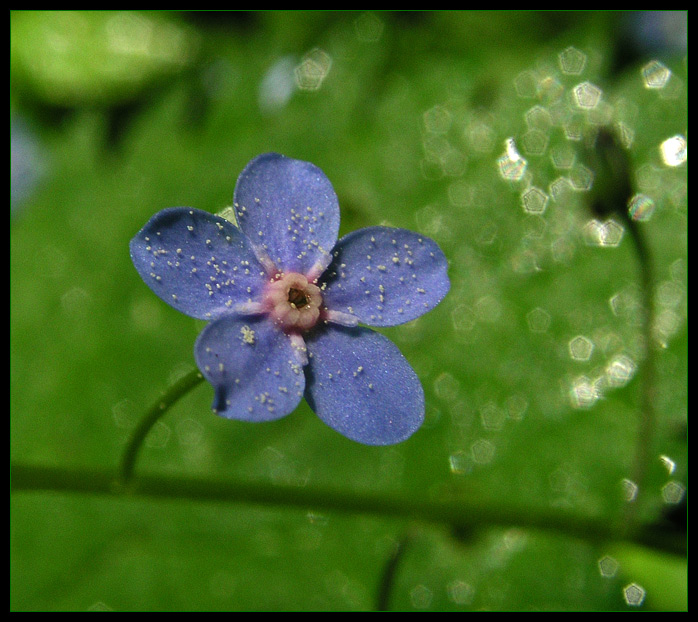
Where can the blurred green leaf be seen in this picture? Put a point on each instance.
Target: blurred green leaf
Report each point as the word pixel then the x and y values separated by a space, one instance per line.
pixel 78 58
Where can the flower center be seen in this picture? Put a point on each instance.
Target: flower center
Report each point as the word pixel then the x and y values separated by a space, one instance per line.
pixel 293 303
pixel 297 297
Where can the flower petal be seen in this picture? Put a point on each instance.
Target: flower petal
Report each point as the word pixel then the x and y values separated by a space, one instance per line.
pixel 359 383
pixel 197 262
pixel 252 367
pixel 385 276
pixel 288 209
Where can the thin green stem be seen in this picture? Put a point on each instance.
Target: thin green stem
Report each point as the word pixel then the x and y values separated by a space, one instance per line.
pixel 151 417
pixel 459 515
pixel 387 582
pixel 613 188
pixel 647 422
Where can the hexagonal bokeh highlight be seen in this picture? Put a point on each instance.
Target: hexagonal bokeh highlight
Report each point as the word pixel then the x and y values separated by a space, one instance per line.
pixel 641 207
pixel 539 118
pixel 572 61
pixel 609 233
pixel 580 348
pixel 674 150
pixel 562 156
pixel 559 188
pixel 673 492
pixel 608 566
pixel 634 594
pixel 584 392
pixel 534 142
pixel 437 120
pixel 534 200
pixel 587 95
pixel 538 320
pixel 655 75
pixel 492 417
pixel 460 462
pixel 460 592
pixel 312 70
pixel 482 451
pixel 421 596
pixel 620 370
pixel 512 166
pixel 668 464
pixel 581 178
pixel 368 27
pixel 526 84
pixel 630 489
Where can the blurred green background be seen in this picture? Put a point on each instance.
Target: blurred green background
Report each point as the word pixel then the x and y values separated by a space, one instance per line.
pixel 470 127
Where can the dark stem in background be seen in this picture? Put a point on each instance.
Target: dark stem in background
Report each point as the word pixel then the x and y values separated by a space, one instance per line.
pixel 459 515
pixel 151 417
pixel 611 193
pixel 387 583
pixel 647 422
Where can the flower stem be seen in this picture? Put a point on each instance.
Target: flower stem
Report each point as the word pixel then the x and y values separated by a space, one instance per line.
pixel 152 416
pixel 647 419
pixel 613 188
pixel 387 583
pixel 460 515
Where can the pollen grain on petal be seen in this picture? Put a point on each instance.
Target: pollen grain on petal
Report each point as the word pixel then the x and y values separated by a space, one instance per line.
pixel 247 335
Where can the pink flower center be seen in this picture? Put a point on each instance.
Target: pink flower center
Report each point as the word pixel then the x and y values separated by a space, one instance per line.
pixel 293 303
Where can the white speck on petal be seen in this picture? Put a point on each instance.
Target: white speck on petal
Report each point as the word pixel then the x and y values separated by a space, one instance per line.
pixel 247 335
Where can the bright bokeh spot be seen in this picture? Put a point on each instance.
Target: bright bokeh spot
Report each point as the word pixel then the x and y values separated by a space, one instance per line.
pixel 608 566
pixel 630 490
pixel 608 233
pixel 620 370
pixel 534 200
pixel 674 150
pixel 673 492
pixel 580 348
pixel 312 70
pixel 668 464
pixel 634 594
pixel 511 165
pixel 584 393
pixel 587 95
pixel 626 134
pixel 460 462
pixel 641 207
pixel 572 61
pixel 655 75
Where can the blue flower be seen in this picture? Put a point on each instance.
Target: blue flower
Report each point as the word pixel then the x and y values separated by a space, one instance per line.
pixel 285 299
